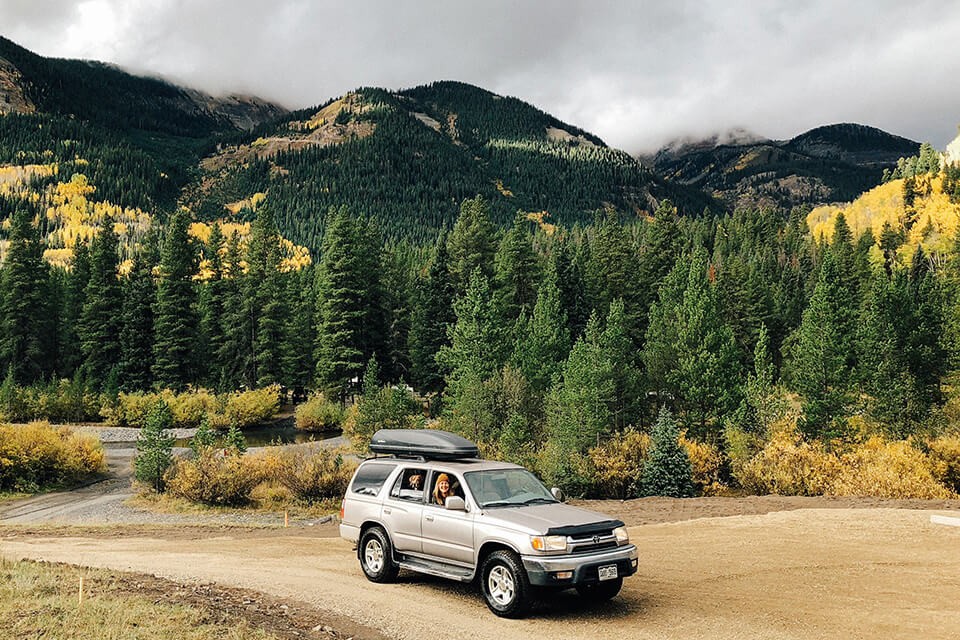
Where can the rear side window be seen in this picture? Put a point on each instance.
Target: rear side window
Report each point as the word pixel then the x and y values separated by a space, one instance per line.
pixel 370 477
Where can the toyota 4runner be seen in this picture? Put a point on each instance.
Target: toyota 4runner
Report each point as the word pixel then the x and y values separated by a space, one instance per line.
pixel 431 506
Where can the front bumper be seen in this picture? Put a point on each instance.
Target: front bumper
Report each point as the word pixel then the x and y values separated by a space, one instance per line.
pixel 542 570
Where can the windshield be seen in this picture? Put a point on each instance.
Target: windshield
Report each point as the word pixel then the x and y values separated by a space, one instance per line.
pixel 506 488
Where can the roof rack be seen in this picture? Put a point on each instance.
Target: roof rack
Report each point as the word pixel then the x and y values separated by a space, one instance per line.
pixel 427 444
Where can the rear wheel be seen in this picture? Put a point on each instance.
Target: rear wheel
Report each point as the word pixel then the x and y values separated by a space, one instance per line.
pixel 600 591
pixel 505 585
pixel 376 556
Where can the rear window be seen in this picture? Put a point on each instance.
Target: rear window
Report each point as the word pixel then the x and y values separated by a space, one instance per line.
pixel 370 477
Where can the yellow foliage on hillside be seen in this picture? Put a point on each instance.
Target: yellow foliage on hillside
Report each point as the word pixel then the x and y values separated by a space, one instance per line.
pixel 934 218
pixel 540 217
pixel 292 257
pixel 252 203
pixel 74 217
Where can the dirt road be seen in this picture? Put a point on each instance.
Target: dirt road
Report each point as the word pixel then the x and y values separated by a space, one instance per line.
pixel 809 573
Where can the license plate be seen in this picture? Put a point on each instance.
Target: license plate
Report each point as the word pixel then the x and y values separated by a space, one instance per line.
pixel 608 572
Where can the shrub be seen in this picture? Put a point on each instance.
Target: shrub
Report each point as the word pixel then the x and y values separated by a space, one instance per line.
pixel 706 465
pixel 667 471
pixel 790 466
pixel 247 408
pixel 944 457
pixel 214 478
pixel 130 409
pixel 36 456
pixel 882 469
pixel 618 464
pixel 387 408
pixel 188 408
pixel 57 401
pixel 319 414
pixel 64 401
pixel 241 408
pixel 313 474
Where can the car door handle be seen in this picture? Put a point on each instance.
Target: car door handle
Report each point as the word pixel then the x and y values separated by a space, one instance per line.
pixel 387 510
pixel 428 518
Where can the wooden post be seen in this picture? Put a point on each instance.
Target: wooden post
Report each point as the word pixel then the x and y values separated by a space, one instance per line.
pixel 80 594
pixel 286 519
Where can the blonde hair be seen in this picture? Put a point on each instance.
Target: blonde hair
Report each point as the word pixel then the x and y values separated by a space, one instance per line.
pixel 436 488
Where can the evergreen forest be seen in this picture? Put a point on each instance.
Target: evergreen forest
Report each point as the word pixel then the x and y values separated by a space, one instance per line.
pixel 447 257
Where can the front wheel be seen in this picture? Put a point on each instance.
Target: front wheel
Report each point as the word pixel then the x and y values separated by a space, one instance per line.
pixel 600 591
pixel 376 556
pixel 505 585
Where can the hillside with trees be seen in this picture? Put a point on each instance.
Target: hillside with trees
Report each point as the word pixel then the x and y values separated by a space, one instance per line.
pixel 829 164
pixel 444 256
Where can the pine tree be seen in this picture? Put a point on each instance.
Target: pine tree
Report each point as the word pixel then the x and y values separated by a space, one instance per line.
pixel 516 272
pixel 27 340
pixel 297 355
pixel 621 353
pixel 174 364
pixel 476 349
pixel 136 338
pixel 579 407
pixel 472 243
pixel 431 318
pixel 612 273
pixel 75 284
pixel 568 265
pixel 350 317
pixel 707 373
pixel 690 352
pixel 155 447
pixel 264 300
pixel 543 340
pixel 234 357
pixel 820 352
pixel 661 245
pixel 211 300
pixel 667 472
pixel 99 329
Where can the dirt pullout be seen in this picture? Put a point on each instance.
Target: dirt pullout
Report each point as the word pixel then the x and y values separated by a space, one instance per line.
pixel 811 573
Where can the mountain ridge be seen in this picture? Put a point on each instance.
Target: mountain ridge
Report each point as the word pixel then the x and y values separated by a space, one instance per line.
pixel 829 163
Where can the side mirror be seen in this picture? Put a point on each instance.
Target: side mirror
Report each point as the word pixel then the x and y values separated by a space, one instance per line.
pixel 455 503
pixel 558 494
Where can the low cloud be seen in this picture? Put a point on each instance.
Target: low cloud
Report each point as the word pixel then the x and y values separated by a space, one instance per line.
pixel 635 73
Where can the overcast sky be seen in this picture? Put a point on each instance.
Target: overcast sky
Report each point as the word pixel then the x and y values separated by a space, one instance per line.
pixel 636 73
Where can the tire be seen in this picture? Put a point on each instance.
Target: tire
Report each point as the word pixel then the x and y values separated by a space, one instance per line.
pixel 505 585
pixel 600 591
pixel 376 556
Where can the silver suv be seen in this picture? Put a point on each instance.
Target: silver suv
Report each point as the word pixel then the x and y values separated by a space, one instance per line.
pixel 432 506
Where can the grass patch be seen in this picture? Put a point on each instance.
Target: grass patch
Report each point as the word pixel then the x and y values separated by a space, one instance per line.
pixel 41 600
pixel 265 500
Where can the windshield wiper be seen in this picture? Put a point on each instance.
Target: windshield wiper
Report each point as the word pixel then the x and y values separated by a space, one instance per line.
pixel 539 500
pixel 502 503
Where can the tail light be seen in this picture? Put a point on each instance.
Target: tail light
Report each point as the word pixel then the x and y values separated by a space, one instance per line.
pixel 342 502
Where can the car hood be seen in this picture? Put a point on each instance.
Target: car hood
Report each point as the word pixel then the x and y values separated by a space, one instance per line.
pixel 541 518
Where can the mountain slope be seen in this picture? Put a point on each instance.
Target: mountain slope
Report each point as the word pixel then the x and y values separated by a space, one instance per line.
pixel 827 164
pixel 107 96
pixel 409 158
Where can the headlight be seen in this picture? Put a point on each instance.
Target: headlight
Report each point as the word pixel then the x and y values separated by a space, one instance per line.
pixel 549 543
pixel 621 533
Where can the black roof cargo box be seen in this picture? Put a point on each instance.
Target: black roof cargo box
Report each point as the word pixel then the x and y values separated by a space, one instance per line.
pixel 427 443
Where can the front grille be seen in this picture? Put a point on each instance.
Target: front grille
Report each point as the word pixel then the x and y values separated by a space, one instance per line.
pixel 597 542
